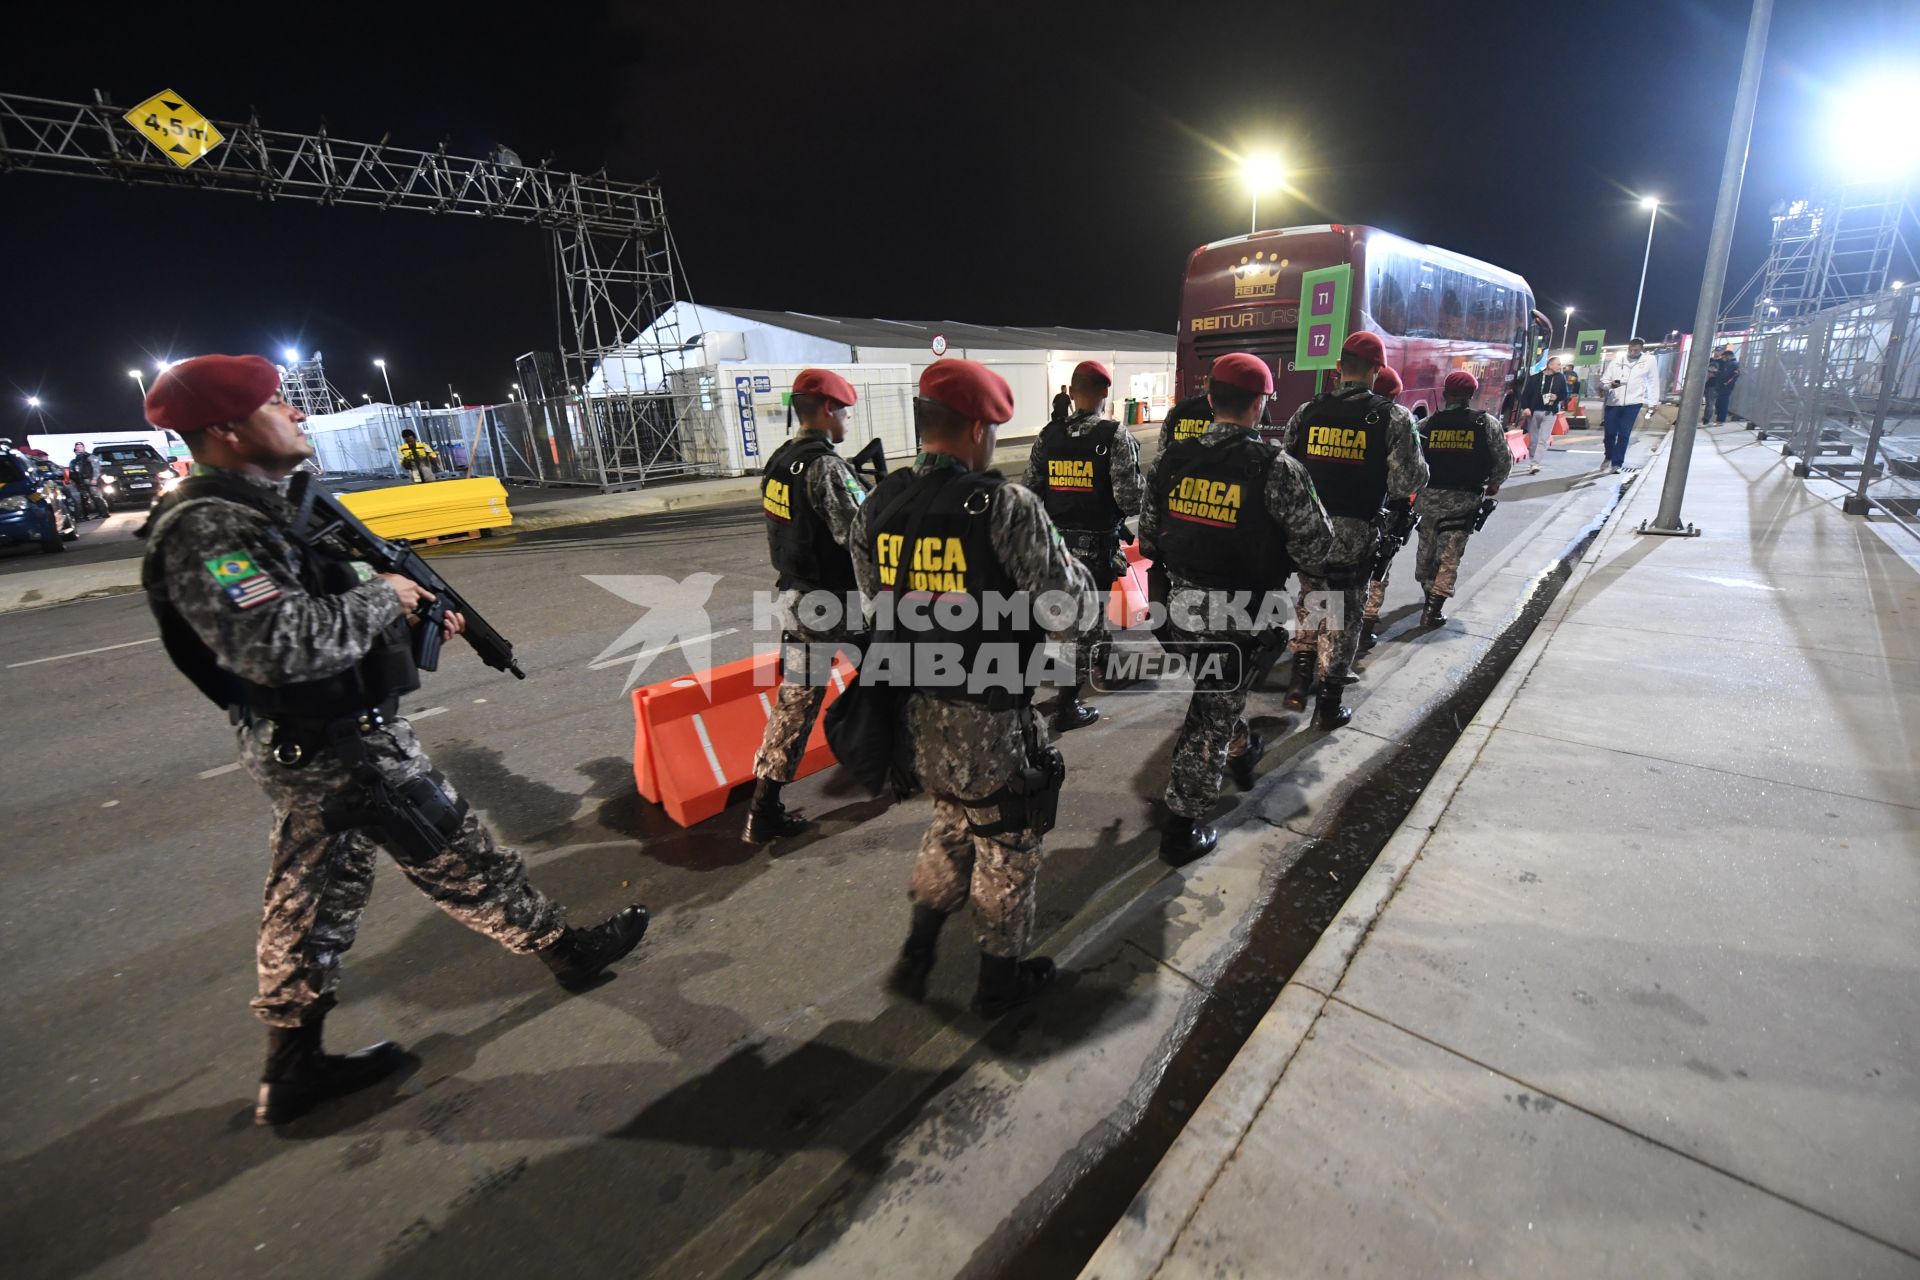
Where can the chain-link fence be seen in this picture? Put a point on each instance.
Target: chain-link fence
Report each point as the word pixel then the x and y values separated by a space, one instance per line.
pixel 1842 389
pixel 607 442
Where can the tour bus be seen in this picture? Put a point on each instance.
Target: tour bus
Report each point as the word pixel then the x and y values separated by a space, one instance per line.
pixel 1435 311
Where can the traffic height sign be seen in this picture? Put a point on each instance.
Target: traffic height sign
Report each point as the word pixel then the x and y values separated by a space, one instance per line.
pixel 182 134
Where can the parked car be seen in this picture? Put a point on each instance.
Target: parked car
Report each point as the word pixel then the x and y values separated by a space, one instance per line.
pixel 134 474
pixel 32 506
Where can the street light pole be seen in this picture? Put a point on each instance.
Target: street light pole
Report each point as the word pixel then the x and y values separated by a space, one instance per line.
pixel 1713 280
pixel 381 365
pixel 1653 204
pixel 1566 331
pixel 139 378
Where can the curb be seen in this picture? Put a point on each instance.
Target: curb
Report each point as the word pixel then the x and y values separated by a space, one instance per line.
pixel 1146 1234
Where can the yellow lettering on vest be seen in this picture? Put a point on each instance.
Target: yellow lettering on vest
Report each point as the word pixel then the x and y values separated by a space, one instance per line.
pixel 1451 438
pixel 939 555
pixel 1336 444
pixel 778 500
pixel 1189 429
pixel 1070 473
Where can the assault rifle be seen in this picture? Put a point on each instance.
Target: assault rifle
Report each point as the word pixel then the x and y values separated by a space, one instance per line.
pixel 1486 509
pixel 873 455
pixel 318 515
pixel 1398 520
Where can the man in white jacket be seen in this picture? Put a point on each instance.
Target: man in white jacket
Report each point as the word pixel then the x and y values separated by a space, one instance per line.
pixel 1631 383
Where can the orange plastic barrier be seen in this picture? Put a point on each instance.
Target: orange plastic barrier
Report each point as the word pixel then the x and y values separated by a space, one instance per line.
pixel 692 746
pixel 1559 424
pixel 1517 445
pixel 1127 601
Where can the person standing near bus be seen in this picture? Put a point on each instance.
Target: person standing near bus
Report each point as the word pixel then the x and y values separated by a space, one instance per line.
pixel 1231 513
pixel 1360 448
pixel 1631 383
pixel 1187 420
pixel 1467 462
pixel 1086 470
pixel 1545 395
pixel 1387 383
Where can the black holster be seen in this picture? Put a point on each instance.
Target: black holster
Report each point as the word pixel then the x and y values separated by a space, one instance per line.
pixel 1030 802
pixel 417 816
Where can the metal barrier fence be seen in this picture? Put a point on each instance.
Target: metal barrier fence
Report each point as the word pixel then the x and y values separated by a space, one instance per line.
pixel 368 445
pixel 608 442
pixel 1841 387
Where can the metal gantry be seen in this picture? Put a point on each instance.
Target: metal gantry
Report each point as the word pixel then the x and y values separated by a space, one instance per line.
pixel 614 251
pixel 1850 243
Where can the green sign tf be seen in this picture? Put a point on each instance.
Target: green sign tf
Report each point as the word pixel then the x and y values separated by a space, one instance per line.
pixel 1587 349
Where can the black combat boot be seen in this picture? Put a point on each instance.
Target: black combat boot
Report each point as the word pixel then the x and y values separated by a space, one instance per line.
pixel 1185 839
pixel 1302 682
pixel 1328 713
pixel 1369 634
pixel 1006 983
pixel 909 976
pixel 768 819
pixel 1433 615
pixel 1071 713
pixel 299 1076
pixel 578 956
pixel 1241 766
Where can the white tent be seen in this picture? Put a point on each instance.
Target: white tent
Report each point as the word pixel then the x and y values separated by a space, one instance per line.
pixel 736 365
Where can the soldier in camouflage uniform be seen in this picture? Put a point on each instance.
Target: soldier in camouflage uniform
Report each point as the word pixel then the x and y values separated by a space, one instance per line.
pixel 1361 450
pixel 810 496
pixel 1386 383
pixel 1087 472
pixel 1230 514
pixel 1187 420
pixel 1469 460
pixel 310 651
pixel 945 529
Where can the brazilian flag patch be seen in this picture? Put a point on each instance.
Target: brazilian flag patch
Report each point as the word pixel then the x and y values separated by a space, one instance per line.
pixel 246 584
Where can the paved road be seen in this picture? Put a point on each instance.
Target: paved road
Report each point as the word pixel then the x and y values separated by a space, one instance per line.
pixel 631 1116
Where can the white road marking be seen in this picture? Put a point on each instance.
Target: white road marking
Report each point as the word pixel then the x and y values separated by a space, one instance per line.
pixel 216 772
pixel 62 657
pixel 109 804
pixel 706 745
pixel 645 654
pixel 422 715
pixel 478 701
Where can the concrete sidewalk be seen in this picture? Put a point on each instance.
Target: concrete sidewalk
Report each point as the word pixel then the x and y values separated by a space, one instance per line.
pixel 1635 989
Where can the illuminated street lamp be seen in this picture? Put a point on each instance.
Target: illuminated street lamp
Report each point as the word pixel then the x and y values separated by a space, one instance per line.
pixel 1261 171
pixel 1652 205
pixel 293 357
pixel 381 365
pixel 138 377
pixel 1566 329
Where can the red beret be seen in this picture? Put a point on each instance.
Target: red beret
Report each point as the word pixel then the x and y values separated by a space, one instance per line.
pixel 1249 373
pixel 1460 385
pixel 1095 368
pixel 209 391
pixel 824 382
pixel 971 390
pixel 1366 346
pixel 1387 383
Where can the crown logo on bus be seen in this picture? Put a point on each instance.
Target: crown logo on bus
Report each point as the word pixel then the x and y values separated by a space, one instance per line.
pixel 1258 276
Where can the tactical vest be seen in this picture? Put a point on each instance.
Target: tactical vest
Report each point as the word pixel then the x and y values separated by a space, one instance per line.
pixel 1214 527
pixel 798 537
pixel 1077 473
pixel 384 672
pixel 1343 442
pixel 932 538
pixel 1455 441
pixel 1187 420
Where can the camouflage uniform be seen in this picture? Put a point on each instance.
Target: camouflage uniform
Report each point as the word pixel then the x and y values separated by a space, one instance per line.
pixel 1438 565
pixel 1129 494
pixel 317 882
pixel 1215 717
pixel 836 494
pixel 963 751
pixel 1351 554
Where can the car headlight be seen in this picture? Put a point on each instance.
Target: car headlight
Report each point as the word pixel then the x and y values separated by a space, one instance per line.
pixel 17 503
pixel 168 479
pixel 106 482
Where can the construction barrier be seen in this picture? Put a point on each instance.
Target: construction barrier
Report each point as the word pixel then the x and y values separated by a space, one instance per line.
pixel 1127 601
pixel 436 510
pixel 1559 424
pixel 693 746
pixel 1517 445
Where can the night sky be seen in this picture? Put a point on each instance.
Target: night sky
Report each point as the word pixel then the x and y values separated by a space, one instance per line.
pixel 1024 164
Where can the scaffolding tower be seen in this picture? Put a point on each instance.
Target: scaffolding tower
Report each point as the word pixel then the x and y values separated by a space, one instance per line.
pixel 304 385
pixel 616 266
pixel 1849 244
